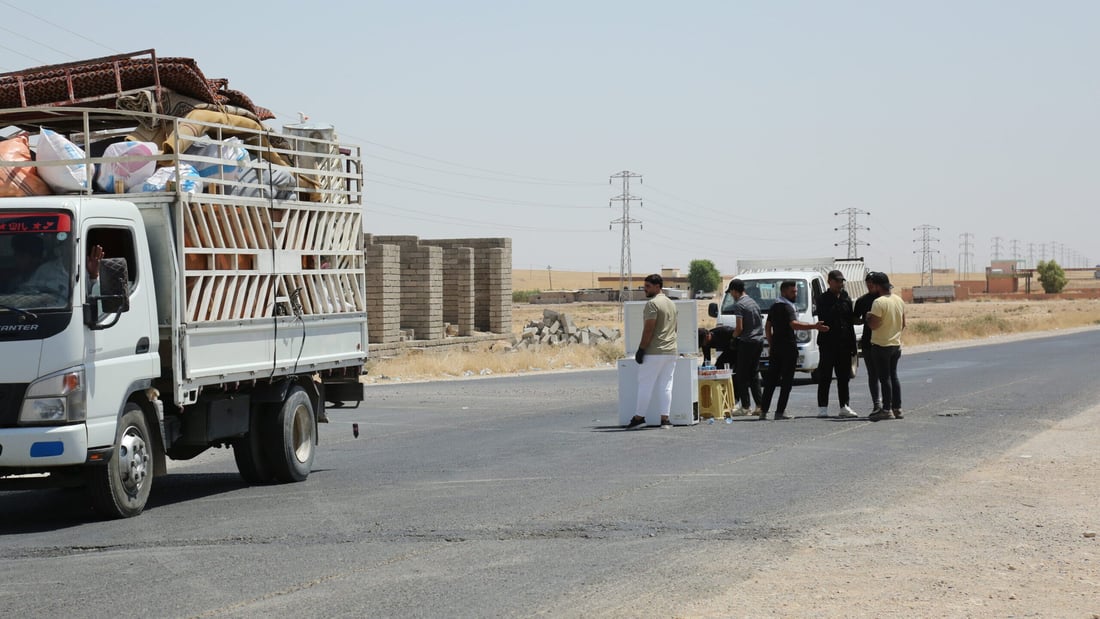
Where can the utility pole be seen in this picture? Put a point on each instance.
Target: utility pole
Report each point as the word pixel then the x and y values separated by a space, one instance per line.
pixel 996 247
pixel 926 251
pixel 626 273
pixel 1014 247
pixel 966 257
pixel 551 276
pixel 1031 255
pixel 852 227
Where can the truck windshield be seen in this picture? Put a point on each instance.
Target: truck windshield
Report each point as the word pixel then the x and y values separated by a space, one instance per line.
pixel 765 292
pixel 36 263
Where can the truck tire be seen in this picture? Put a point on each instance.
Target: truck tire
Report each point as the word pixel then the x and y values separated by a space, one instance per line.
pixel 248 451
pixel 121 487
pixel 289 436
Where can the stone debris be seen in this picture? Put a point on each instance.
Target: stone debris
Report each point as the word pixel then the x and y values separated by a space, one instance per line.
pixel 559 329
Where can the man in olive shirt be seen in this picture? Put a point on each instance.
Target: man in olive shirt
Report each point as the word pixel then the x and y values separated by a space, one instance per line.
pixel 656 354
pixel 887 320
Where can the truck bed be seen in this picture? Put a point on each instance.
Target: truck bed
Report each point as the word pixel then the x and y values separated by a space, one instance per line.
pixel 259 273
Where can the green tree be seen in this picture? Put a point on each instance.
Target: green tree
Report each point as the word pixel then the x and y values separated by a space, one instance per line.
pixel 703 276
pixel 1051 276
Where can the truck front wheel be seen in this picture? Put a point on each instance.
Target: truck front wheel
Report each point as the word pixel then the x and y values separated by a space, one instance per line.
pixel 290 436
pixel 121 487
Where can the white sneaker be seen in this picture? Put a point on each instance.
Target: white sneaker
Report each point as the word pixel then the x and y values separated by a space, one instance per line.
pixel 822 411
pixel 846 412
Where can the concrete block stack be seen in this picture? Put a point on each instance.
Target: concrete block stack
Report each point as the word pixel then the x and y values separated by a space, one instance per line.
pixel 422 291
pixel 477 297
pixel 458 294
pixel 383 293
pixel 499 284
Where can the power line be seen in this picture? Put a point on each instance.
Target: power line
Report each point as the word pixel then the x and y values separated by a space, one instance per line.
pixel 59 27
pixel 477 176
pixel 853 228
pixel 464 195
pixel 996 241
pixel 625 220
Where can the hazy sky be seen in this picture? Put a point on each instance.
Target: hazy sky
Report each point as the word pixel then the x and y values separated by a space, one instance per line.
pixel 752 122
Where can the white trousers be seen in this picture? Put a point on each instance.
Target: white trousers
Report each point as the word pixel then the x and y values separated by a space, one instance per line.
pixel 655 381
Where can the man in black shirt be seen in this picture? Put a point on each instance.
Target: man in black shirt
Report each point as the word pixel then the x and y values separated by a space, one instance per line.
pixel 779 330
pixel 862 306
pixel 837 345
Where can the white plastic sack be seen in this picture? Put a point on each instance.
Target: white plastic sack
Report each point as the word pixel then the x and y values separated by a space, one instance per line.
pixel 189 180
pixel 131 173
pixel 280 178
pixel 64 178
pixel 232 153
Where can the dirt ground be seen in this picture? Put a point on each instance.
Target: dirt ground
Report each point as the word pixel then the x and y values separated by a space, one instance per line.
pixel 1012 538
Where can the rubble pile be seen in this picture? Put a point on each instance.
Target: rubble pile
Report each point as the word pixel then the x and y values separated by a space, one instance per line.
pixel 558 329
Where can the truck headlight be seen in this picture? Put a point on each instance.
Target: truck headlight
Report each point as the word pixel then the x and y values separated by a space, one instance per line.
pixel 803 337
pixel 55 399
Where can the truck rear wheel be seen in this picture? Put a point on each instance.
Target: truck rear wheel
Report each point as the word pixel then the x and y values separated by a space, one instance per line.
pixel 289 437
pixel 121 488
pixel 252 463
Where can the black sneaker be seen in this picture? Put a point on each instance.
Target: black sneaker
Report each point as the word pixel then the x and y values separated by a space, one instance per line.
pixel 897 414
pixel 879 414
pixel 666 424
pixel 635 422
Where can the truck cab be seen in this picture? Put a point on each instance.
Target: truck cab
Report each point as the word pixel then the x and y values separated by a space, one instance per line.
pixel 764 289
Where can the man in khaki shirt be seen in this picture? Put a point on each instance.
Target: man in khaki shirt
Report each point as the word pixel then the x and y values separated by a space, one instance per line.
pixel 887 320
pixel 656 354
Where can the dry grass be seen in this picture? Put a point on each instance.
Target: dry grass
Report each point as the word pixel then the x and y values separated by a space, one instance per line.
pixel 944 322
pixel 927 323
pixel 489 361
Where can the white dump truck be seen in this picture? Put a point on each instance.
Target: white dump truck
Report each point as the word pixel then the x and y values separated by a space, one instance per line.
pixel 762 280
pixel 142 319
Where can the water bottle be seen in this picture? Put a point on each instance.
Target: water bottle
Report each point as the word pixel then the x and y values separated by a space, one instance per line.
pixel 710 422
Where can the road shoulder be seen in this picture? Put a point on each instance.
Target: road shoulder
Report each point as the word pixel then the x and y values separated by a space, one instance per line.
pixel 1009 538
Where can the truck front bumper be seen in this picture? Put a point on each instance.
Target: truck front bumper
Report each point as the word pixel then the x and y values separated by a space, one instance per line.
pixel 43 446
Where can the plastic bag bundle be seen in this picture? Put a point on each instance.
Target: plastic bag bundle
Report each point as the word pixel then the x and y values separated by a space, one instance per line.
pixel 131 173
pixel 189 180
pixel 64 178
pixel 232 155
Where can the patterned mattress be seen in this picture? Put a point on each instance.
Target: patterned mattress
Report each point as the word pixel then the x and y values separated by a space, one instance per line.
pixel 106 78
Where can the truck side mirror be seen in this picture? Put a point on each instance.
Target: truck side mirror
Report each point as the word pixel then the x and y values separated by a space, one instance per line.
pixel 114 285
pixel 114 293
pixel 712 310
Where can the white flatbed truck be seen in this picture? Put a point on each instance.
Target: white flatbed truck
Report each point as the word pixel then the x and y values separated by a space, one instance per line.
pixel 223 317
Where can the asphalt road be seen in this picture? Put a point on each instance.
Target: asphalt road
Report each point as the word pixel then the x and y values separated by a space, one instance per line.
pixel 521 496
